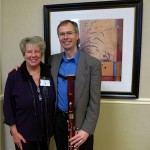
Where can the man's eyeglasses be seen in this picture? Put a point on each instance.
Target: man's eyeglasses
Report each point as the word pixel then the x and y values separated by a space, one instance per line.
pixel 68 33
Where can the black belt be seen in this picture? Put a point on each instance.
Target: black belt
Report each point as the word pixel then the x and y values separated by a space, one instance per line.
pixel 64 77
pixel 64 114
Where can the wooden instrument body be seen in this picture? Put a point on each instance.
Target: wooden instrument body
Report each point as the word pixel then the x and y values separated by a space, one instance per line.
pixel 71 113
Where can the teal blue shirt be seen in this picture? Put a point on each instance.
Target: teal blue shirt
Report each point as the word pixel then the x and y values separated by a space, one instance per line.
pixel 67 67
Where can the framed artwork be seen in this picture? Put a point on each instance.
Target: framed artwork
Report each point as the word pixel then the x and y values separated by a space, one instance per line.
pixel 110 31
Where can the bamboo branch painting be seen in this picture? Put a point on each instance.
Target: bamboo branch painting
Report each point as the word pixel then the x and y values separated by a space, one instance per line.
pixel 103 39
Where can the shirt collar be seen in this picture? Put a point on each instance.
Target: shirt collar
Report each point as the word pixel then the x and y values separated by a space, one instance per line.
pixel 76 57
pixel 45 71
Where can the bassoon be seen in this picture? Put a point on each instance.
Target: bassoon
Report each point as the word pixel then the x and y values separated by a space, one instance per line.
pixel 71 113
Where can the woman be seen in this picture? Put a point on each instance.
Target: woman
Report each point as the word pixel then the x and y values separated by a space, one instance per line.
pixel 29 98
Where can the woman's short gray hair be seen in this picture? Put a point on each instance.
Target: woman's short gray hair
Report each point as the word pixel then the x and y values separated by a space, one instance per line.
pixel 35 40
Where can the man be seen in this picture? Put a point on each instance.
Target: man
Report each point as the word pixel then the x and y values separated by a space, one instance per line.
pixel 87 71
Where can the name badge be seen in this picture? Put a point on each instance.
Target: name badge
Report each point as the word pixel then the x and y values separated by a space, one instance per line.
pixel 45 82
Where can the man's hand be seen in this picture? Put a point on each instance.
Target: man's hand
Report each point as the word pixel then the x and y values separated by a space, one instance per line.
pixel 79 138
pixel 15 68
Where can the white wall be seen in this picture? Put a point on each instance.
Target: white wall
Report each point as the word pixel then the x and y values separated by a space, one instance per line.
pixel 123 124
pixel 1 127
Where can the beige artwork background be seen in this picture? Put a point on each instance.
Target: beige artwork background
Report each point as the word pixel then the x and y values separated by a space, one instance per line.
pixel 99 38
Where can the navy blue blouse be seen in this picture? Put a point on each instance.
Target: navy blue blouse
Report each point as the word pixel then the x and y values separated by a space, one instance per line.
pixel 29 107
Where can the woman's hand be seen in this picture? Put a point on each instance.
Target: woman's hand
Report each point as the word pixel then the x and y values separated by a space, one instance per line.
pixel 17 137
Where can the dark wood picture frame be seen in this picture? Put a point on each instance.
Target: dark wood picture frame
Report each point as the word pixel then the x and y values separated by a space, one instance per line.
pixel 136 5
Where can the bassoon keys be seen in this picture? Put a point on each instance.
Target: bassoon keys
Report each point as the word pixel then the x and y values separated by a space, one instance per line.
pixel 71 112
